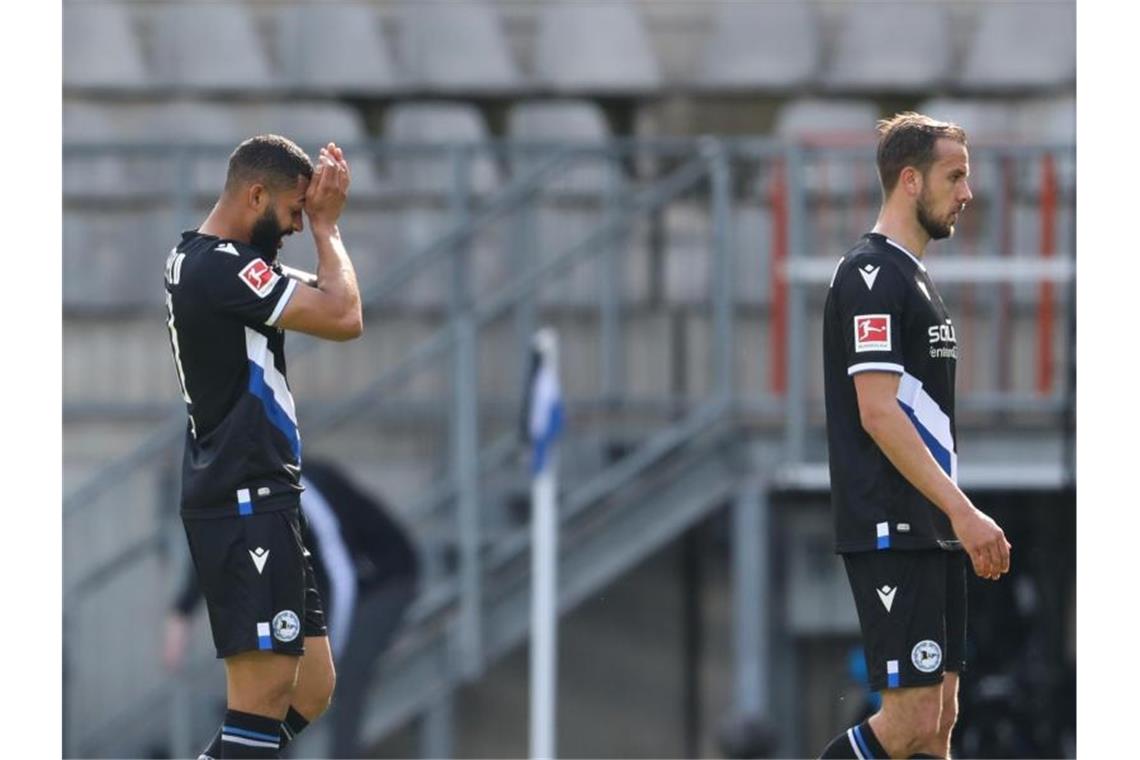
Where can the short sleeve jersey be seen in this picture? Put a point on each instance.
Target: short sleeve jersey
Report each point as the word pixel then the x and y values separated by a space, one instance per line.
pixel 243 448
pixel 884 314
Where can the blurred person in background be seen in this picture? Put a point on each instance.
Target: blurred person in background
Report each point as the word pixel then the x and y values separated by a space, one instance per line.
pixel 228 305
pixel 365 567
pixel 901 521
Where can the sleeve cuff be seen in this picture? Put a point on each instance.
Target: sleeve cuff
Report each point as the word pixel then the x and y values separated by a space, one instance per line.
pixel 855 369
pixel 282 302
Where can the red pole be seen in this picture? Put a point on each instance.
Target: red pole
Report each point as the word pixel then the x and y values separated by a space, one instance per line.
pixel 1045 302
pixel 778 194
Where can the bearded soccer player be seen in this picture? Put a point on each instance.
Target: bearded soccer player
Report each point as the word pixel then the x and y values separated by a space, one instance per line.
pixel 228 305
pixel 902 525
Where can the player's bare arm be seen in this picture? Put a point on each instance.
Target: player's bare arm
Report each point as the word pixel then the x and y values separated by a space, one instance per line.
pixel 896 436
pixel 331 308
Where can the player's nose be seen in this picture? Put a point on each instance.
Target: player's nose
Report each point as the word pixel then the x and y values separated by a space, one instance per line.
pixel 966 195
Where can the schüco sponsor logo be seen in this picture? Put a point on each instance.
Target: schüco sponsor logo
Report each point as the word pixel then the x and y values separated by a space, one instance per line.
pixel 943 334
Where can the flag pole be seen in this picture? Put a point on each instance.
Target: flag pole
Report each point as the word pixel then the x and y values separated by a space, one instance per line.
pixel 545 423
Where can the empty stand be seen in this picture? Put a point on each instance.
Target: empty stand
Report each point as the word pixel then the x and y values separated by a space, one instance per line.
pixel 761 45
pixel 600 47
pixel 577 122
pixel 891 47
pixel 437 123
pixel 1022 45
pixel 101 48
pixel 334 47
pixel 455 47
pixel 209 46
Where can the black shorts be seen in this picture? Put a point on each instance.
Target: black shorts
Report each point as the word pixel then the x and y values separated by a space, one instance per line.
pixel 255 574
pixel 912 609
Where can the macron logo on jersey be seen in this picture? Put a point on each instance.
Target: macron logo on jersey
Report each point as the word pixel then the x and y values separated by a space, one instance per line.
pixel 872 332
pixel 258 277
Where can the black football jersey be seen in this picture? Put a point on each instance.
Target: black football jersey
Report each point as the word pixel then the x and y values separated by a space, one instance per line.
pixel 243 448
pixel 884 314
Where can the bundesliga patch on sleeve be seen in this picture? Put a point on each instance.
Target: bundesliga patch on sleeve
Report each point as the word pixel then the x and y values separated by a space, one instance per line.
pixel 259 277
pixel 872 332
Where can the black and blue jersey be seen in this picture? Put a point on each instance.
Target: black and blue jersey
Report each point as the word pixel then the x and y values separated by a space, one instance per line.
pixel 243 448
pixel 884 314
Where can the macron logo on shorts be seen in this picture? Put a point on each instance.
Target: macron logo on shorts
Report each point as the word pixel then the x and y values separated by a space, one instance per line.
pixel 260 557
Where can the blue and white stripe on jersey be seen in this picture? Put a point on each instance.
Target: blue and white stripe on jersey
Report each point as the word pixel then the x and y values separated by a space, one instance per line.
pixel 932 423
pixel 269 385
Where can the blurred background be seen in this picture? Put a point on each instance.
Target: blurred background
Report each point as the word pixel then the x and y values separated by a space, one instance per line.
pixel 668 184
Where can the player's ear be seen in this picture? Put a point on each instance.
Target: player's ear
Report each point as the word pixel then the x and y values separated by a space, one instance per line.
pixel 910 179
pixel 257 196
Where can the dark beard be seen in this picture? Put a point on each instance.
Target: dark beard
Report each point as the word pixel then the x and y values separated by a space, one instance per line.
pixel 935 229
pixel 266 234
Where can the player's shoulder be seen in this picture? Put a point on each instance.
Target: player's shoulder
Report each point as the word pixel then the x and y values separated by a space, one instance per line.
pixel 866 263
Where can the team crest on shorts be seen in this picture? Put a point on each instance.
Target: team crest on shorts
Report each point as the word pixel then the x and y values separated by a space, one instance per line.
pixel 926 656
pixel 286 625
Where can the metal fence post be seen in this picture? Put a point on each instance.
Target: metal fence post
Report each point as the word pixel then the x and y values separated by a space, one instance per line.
pixel 796 410
pixel 459 203
pixel 609 287
pixel 465 459
pixel 722 285
pixel 750 599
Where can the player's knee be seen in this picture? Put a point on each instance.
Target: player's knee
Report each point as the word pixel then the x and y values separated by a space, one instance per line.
pixel 927 717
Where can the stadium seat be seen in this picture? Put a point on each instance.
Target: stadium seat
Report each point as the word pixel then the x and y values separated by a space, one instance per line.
pixel 1021 45
pixel 439 124
pixel 100 47
pixel 552 122
pixel 594 47
pixel 209 46
pixel 455 47
pixel 891 47
pixel 95 176
pixel 767 46
pixel 334 48
pixel 115 259
pixel 835 122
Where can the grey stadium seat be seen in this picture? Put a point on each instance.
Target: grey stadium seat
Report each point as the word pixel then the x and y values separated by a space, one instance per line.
pixel 209 46
pixel 577 122
pixel 115 259
pixel 438 123
pixel 1022 45
pixel 832 122
pixel 106 176
pixel 761 46
pixel 455 46
pixel 594 47
pixel 891 47
pixel 100 47
pixel 334 47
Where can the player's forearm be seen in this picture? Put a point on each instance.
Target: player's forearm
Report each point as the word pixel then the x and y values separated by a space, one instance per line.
pixel 896 437
pixel 336 277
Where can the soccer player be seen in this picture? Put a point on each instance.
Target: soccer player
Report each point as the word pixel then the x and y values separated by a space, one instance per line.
pixel 901 522
pixel 227 308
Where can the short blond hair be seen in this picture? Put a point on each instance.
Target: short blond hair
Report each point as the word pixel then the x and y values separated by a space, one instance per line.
pixel 908 139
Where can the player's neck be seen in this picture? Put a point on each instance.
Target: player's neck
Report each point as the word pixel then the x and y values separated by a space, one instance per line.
pixel 904 229
pixel 223 224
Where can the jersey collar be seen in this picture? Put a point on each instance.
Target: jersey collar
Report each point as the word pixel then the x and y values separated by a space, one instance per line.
pixel 902 248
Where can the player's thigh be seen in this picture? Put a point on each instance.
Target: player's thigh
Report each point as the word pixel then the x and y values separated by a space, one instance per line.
pixel 252 573
pixel 316 675
pixel 900 600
